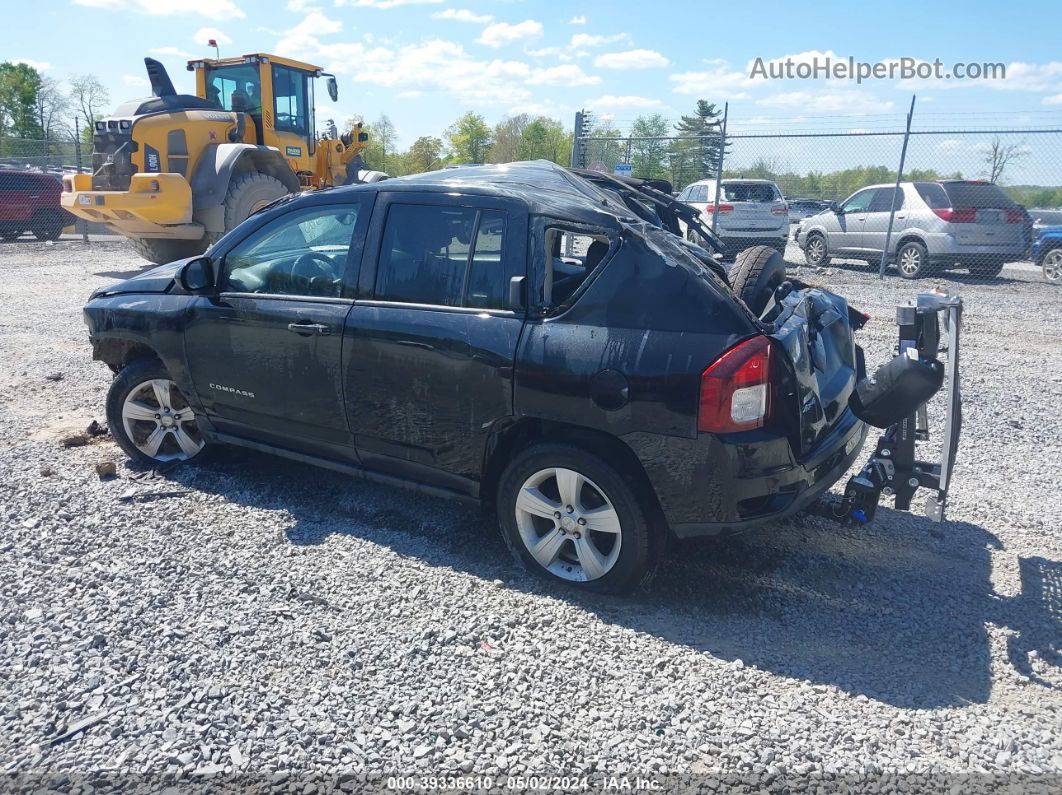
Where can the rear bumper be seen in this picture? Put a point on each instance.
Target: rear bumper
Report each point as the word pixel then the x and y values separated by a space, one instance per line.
pixel 946 248
pixel 156 205
pixel 744 483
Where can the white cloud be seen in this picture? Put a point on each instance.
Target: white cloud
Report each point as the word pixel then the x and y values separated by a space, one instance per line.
pixel 170 52
pixel 842 101
pixel 211 9
pixel 581 40
pixel 1052 100
pixel 40 66
pixel 137 81
pixel 579 19
pixel 613 101
pixel 631 59
pixel 563 75
pixel 950 145
pixel 304 35
pixel 463 15
pixel 717 81
pixel 300 5
pixel 502 33
pixel 385 3
pixel 204 35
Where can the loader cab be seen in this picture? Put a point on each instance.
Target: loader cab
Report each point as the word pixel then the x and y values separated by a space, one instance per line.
pixel 277 93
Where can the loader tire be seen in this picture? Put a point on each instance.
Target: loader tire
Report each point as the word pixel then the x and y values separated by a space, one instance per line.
pixel 161 250
pixel 248 193
pixel 756 274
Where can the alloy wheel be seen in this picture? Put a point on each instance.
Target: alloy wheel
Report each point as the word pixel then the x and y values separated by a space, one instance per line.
pixel 568 524
pixel 1053 266
pixel 910 261
pixel 816 250
pixel 158 420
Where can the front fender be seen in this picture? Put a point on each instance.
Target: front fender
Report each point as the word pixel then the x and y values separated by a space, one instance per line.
pixel 213 172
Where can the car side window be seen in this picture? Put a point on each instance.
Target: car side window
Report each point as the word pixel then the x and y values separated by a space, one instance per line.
pixel 443 256
pixel 880 202
pixel 859 202
pixel 301 253
pixel 699 193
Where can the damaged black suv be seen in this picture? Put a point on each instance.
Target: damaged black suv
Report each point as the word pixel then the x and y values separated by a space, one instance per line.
pixel 536 338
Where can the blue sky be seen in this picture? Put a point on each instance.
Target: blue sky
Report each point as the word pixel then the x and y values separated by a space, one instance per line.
pixel 423 63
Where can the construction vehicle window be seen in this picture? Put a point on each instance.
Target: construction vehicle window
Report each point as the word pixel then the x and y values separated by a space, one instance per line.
pixel 236 88
pixel 425 254
pixel 289 97
pixel 301 253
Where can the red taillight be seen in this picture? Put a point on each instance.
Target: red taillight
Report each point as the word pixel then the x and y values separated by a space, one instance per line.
pixel 1014 217
pixel 956 215
pixel 780 209
pixel 736 389
pixel 722 208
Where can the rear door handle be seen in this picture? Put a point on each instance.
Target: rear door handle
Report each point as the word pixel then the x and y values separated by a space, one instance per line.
pixel 306 329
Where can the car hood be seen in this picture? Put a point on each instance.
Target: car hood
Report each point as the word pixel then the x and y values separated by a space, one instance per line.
pixel 1044 231
pixel 159 279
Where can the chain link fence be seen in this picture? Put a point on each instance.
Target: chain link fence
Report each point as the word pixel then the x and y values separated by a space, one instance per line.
pixel 54 155
pixel 971 201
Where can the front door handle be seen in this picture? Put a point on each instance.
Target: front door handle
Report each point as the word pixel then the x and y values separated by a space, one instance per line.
pixel 307 329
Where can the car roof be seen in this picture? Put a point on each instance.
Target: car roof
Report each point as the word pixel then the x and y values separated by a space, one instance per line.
pixel 541 185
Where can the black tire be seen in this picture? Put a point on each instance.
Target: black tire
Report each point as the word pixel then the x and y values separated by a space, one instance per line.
pixel 987 269
pixel 756 274
pixel 640 544
pixel 912 260
pixel 48 226
pixel 819 254
pixel 249 192
pixel 130 378
pixel 160 251
pixel 10 235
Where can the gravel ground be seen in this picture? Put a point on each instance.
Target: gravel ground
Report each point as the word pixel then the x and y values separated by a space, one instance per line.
pixel 252 621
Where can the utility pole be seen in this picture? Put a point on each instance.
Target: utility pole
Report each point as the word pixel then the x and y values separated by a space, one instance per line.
pixel 719 167
pixel 896 191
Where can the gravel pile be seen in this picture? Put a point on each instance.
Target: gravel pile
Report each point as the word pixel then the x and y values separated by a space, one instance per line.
pixel 254 622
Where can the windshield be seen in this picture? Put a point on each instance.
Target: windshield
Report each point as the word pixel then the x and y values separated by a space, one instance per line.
pixel 236 87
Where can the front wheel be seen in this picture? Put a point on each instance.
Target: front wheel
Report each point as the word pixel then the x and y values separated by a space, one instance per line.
pixel 568 516
pixel 48 226
pixel 160 250
pixel 10 235
pixel 1052 266
pixel 149 416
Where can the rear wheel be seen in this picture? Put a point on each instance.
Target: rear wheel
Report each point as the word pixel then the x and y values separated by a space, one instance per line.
pixel 1052 265
pixel 815 250
pixel 912 260
pixel 756 274
pixel 568 516
pixel 47 226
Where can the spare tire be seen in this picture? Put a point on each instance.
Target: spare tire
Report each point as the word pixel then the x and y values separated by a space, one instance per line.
pixel 756 274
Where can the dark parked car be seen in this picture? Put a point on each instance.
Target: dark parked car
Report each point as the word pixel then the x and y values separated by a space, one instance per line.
pixel 29 202
pixel 431 330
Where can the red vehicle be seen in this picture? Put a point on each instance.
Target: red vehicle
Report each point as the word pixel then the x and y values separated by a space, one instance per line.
pixel 30 203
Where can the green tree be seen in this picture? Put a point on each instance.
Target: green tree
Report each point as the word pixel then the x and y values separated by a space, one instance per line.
pixel 469 139
pixel 89 97
pixel 508 133
pixel 648 148
pixel 545 139
pixel 696 155
pixel 19 85
pixel 424 155
pixel 605 146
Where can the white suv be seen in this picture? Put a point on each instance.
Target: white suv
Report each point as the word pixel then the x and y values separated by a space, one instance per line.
pixel 751 212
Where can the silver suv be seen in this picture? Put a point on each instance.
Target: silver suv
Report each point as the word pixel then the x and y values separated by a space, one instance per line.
pixel 751 212
pixel 945 224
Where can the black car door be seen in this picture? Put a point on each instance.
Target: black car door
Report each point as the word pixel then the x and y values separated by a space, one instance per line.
pixel 265 352
pixel 430 343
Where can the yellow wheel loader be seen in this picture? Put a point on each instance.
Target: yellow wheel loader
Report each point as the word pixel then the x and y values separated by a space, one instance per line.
pixel 174 172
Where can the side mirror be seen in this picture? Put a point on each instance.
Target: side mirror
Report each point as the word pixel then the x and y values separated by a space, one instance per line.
pixel 333 89
pixel 835 207
pixel 197 275
pixel 516 292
